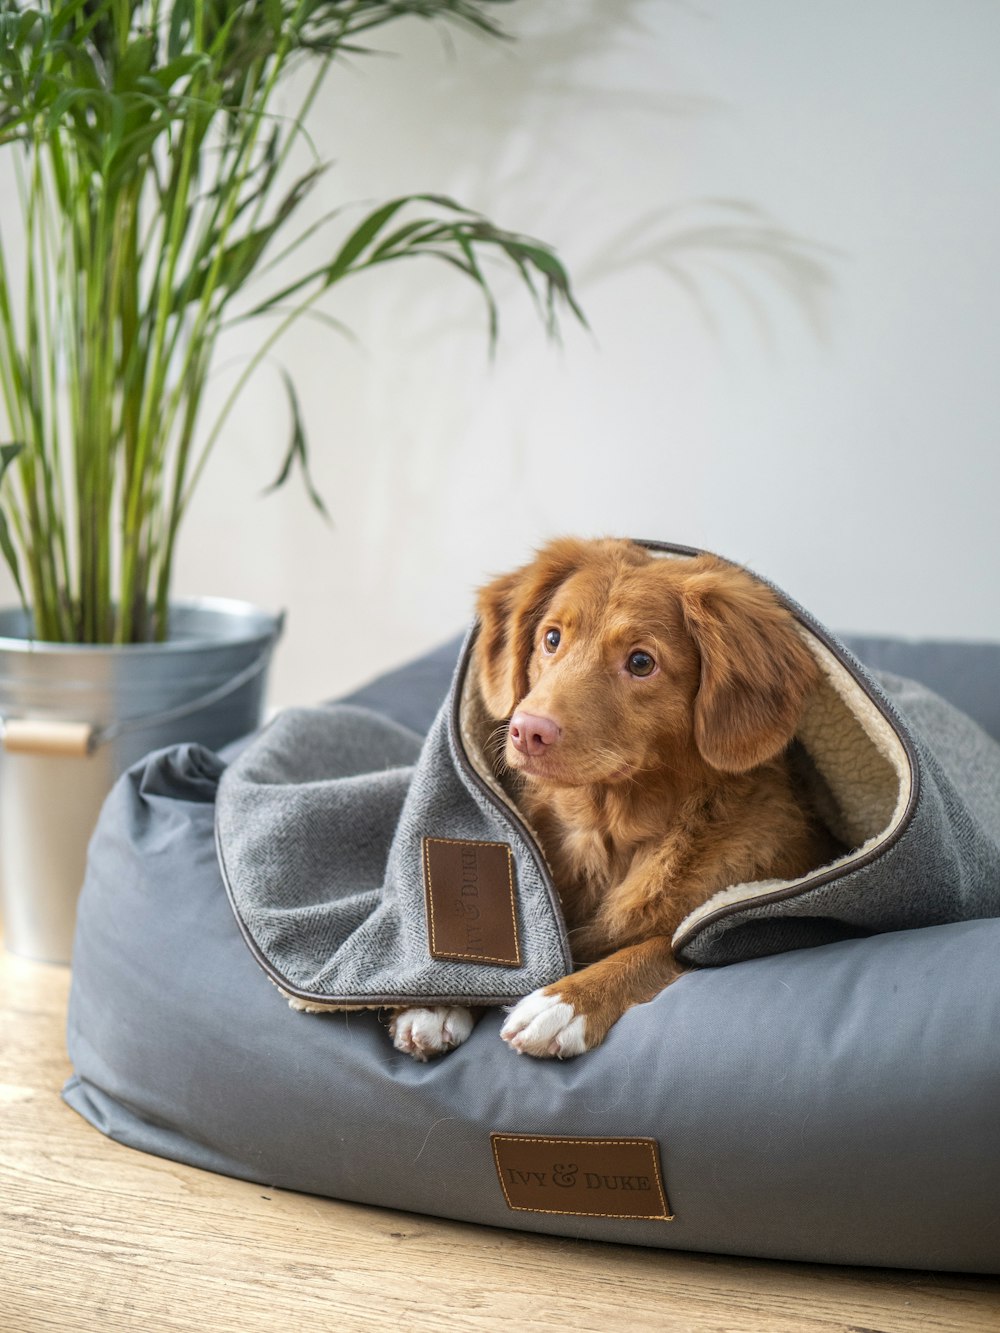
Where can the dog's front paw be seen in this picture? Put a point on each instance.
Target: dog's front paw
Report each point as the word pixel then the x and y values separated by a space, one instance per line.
pixel 424 1033
pixel 546 1025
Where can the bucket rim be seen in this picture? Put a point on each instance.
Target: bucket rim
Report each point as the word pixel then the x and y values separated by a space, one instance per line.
pixel 269 626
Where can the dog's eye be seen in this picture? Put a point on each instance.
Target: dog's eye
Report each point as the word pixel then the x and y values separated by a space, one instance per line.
pixel 641 664
pixel 551 640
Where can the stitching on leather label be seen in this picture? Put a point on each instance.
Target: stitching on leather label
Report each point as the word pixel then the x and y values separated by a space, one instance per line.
pixel 471 902
pixel 619 1178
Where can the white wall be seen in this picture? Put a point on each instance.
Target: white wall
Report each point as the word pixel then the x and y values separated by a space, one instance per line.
pixel 839 439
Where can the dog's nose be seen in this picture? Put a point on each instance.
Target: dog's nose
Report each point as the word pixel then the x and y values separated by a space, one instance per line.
pixel 531 734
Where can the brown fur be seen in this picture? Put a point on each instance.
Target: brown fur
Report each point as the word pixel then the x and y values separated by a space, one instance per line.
pixel 662 789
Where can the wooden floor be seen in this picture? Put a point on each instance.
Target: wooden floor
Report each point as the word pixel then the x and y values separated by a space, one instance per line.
pixel 96 1237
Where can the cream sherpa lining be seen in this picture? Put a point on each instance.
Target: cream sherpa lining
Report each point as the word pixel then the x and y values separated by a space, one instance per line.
pixel 863 786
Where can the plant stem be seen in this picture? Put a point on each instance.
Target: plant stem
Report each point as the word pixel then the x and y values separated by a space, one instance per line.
pixel 154 381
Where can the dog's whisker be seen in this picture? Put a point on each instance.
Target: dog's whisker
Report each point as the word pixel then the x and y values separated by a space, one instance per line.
pixel 494 747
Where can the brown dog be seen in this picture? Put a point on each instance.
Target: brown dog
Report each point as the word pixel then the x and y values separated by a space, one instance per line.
pixel 651 702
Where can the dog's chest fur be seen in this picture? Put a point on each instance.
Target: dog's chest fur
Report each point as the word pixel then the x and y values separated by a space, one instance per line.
pixel 594 840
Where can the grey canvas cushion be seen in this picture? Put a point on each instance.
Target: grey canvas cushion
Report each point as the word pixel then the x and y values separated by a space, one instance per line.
pixel 834 1104
pixel 965 673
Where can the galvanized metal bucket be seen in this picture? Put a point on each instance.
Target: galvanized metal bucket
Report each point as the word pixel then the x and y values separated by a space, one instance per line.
pixel 73 717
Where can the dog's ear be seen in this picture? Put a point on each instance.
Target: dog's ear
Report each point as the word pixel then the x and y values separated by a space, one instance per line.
pixel 510 610
pixel 756 672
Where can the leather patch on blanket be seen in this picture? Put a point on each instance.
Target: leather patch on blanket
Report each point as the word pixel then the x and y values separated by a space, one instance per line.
pixel 471 909
pixel 582 1177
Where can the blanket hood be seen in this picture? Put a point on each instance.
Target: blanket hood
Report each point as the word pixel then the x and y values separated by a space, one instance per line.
pixel 367 867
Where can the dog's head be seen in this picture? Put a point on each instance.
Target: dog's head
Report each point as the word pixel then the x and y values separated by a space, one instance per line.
pixel 609 662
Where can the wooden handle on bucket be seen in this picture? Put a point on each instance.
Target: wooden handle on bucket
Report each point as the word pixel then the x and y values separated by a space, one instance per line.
pixel 66 740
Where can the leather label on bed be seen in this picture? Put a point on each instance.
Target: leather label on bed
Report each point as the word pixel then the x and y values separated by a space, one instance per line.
pixel 581 1177
pixel 471 907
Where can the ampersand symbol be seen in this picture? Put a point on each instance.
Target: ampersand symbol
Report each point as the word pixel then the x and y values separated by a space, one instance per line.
pixel 564 1174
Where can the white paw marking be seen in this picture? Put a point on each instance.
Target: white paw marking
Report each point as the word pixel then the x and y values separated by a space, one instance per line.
pixel 544 1026
pixel 303 1006
pixel 424 1033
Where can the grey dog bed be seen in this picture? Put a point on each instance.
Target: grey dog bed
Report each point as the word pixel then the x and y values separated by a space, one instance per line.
pixel 833 1104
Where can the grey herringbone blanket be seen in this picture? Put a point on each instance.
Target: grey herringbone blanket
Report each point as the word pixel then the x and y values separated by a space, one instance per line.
pixel 367 866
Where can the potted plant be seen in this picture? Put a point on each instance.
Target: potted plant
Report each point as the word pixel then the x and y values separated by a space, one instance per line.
pixel 154 207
